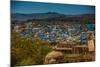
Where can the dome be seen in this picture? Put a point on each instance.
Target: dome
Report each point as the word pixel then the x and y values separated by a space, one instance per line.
pixel 54 57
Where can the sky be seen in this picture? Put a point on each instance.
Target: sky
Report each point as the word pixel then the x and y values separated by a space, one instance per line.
pixel 38 7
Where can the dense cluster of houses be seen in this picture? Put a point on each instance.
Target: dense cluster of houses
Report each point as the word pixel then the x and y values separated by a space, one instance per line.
pixel 54 33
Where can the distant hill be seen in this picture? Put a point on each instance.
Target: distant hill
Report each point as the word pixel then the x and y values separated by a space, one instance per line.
pixel 52 16
pixel 24 17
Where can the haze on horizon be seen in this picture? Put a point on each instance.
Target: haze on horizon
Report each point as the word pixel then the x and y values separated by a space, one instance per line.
pixel 40 7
